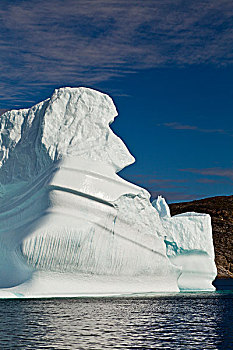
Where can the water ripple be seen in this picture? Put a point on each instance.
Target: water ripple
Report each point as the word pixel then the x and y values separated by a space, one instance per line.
pixel 186 321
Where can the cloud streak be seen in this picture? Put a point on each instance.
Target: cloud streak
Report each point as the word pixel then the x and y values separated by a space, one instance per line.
pixel 227 172
pixel 2 110
pixel 208 181
pixel 72 42
pixel 183 189
pixel 179 126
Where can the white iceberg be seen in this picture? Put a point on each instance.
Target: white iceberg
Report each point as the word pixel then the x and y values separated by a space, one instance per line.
pixel 70 225
pixel 189 245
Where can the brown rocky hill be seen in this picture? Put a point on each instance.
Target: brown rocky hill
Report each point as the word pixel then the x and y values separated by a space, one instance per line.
pixel 221 212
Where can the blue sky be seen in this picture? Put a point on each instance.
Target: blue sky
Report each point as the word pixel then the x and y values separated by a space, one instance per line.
pixel 167 64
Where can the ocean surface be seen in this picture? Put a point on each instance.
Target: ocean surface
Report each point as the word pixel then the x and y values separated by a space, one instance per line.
pixel 182 321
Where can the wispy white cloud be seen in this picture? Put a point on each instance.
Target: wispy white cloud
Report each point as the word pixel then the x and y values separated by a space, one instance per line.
pixel 83 42
pixel 223 172
pixel 179 126
pixel 208 181
pixel 184 188
pixel 158 185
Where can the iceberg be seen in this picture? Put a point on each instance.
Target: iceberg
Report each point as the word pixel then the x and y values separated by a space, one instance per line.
pixel 70 226
pixel 189 245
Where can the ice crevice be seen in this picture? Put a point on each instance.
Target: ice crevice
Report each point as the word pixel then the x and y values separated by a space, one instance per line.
pixel 71 226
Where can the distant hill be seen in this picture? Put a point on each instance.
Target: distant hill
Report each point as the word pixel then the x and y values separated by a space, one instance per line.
pixel 221 212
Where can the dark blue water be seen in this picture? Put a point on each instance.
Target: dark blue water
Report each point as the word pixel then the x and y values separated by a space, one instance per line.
pixel 185 321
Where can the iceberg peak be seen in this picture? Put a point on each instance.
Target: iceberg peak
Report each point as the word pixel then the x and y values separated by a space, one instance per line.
pixel 73 122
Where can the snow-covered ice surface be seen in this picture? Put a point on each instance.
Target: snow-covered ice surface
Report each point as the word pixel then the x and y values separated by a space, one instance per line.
pixel 71 226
